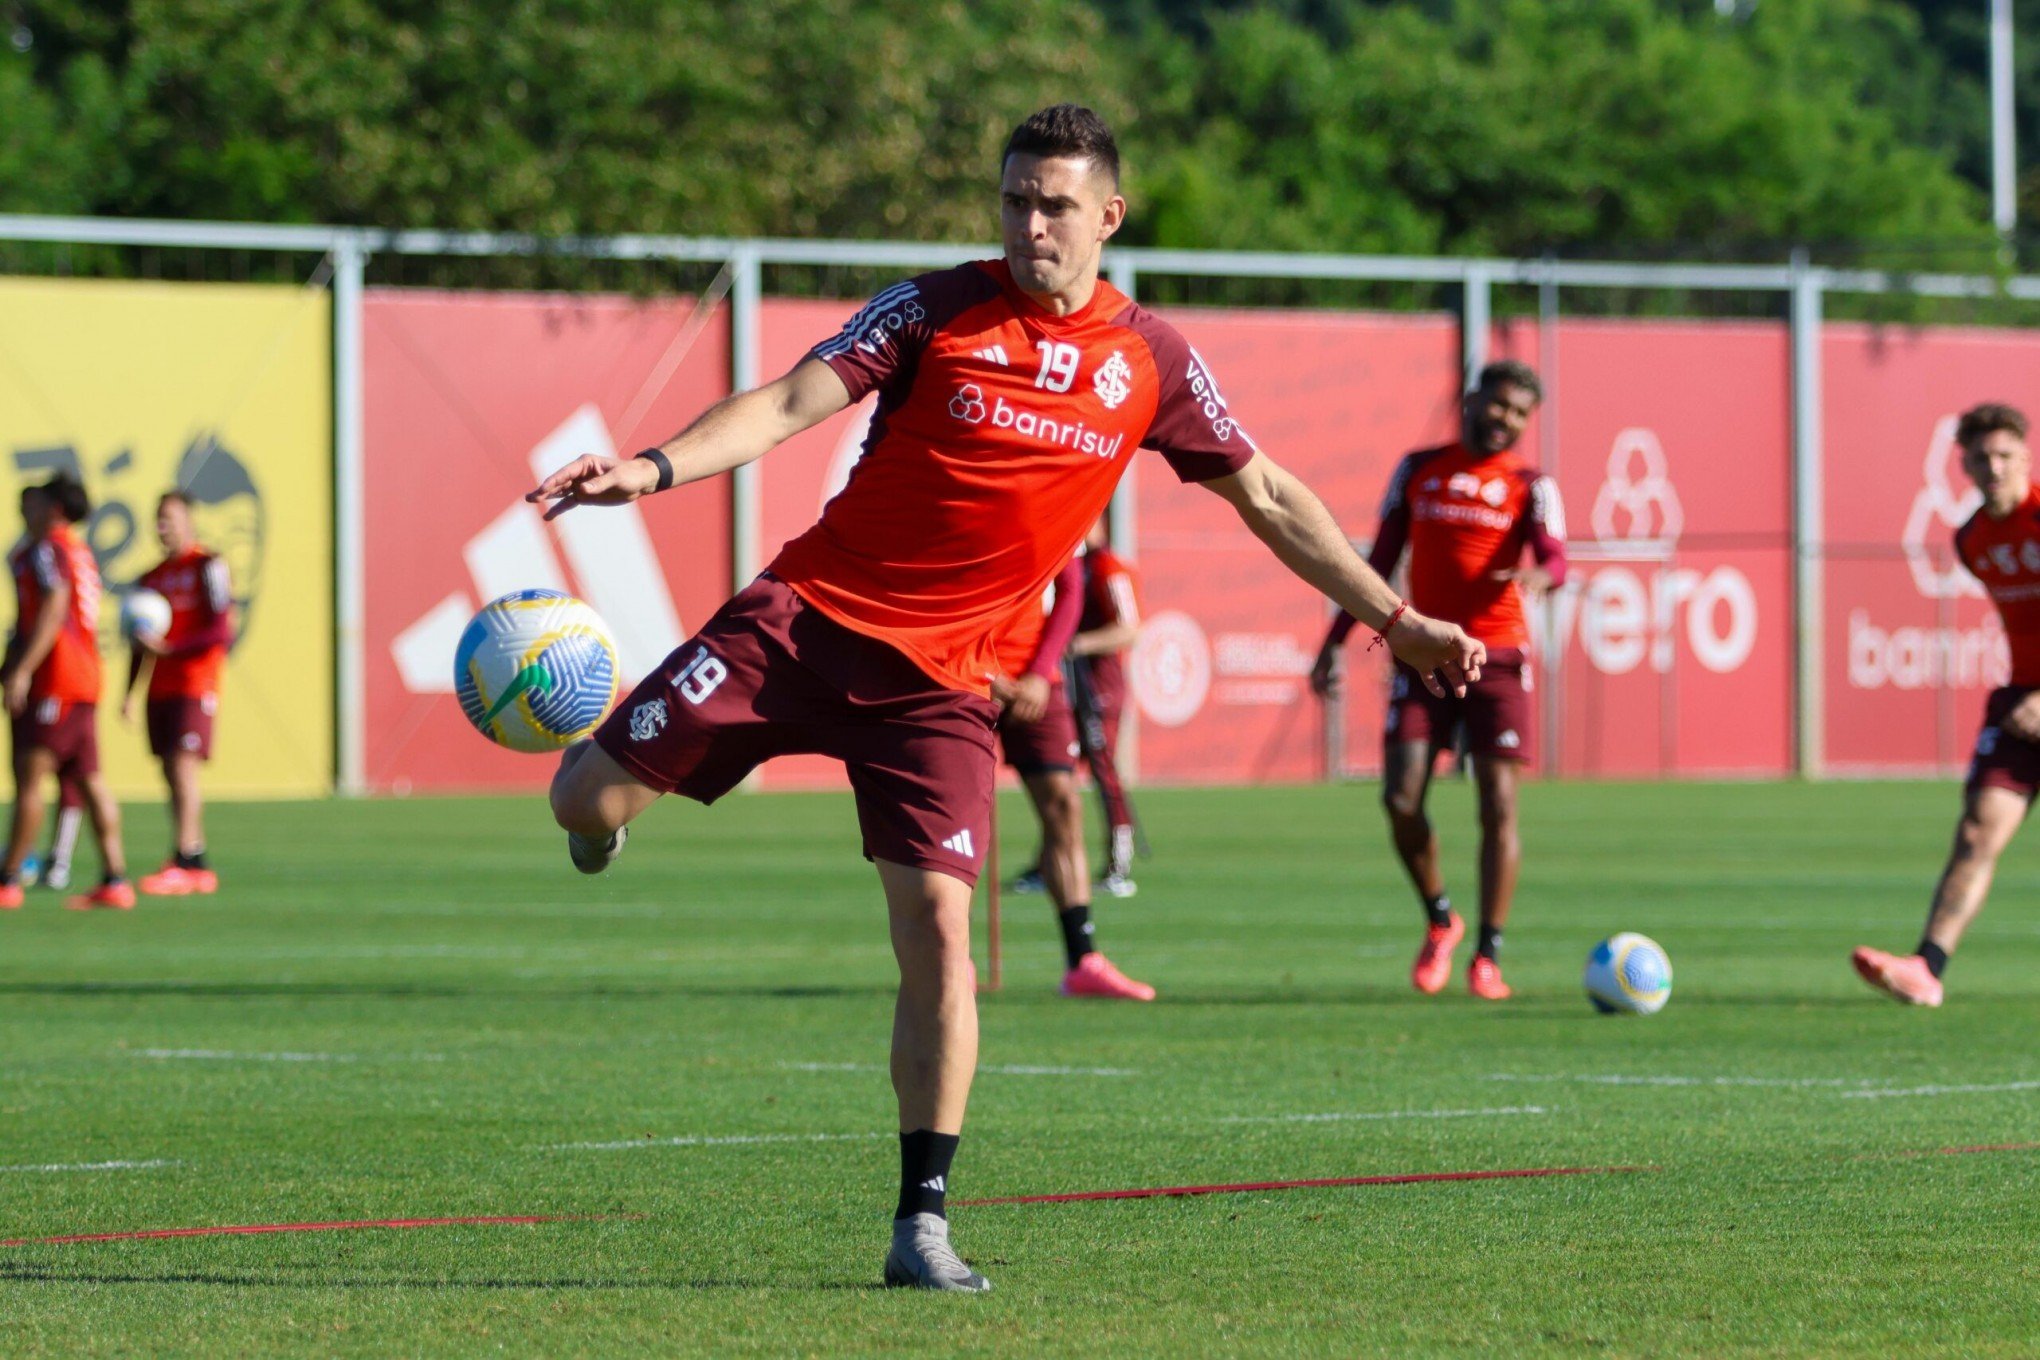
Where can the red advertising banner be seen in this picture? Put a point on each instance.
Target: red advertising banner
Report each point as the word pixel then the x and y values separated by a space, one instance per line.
pixel 470 398
pixel 1220 672
pixel 1672 641
pixel 1912 644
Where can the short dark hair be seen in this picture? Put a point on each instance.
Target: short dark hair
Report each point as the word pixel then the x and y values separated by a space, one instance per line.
pixel 1510 373
pixel 176 495
pixel 1988 418
pixel 1066 130
pixel 67 493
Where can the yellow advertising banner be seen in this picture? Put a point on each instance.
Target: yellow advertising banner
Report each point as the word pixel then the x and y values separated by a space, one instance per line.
pixel 225 391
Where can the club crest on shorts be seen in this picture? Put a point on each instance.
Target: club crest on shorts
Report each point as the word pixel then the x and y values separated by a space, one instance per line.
pixel 647 719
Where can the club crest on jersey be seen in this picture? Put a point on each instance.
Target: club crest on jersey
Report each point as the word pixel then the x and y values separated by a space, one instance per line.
pixel 968 405
pixel 1113 381
pixel 647 719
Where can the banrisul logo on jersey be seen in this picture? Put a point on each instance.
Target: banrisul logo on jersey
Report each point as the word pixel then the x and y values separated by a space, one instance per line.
pixel 1635 603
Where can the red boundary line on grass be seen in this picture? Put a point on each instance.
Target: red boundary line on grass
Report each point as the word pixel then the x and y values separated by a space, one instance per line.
pixel 250 1229
pixel 1245 1187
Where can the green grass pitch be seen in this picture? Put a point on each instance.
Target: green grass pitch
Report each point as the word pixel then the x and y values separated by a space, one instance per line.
pixel 415 1009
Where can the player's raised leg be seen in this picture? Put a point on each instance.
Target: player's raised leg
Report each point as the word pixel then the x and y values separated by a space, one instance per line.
pixel 1066 873
pixel 934 1054
pixel 594 800
pixel 1991 816
pixel 1405 786
pixel 1501 860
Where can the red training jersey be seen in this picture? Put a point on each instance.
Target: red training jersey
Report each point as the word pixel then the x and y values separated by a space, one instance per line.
pixel 2004 554
pixel 201 597
pixel 1111 596
pixel 1000 433
pixel 1467 517
pixel 70 673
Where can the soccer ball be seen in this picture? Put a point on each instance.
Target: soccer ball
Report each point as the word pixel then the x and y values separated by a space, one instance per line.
pixel 1629 972
pixel 144 611
pixel 535 670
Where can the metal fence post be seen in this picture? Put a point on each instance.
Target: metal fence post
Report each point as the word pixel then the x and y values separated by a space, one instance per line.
pixel 1476 312
pixel 1809 549
pixel 746 287
pixel 350 265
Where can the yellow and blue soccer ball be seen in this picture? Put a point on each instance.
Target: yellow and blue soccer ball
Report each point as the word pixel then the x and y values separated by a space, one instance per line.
pixel 535 670
pixel 1630 973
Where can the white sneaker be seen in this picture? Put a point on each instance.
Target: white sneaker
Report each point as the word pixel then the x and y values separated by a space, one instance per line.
pixel 1118 885
pixel 591 858
pixel 921 1258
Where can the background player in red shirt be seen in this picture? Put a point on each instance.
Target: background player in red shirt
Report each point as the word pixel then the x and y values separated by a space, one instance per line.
pixel 1468 512
pixel 51 682
pixel 184 687
pixel 1109 625
pixel 2000 546
pixel 1095 688
pixel 1038 733
pixel 1012 395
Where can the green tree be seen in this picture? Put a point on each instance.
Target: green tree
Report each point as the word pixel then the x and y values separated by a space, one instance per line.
pixel 1516 126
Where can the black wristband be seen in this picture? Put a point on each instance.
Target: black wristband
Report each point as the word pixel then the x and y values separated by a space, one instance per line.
pixel 665 468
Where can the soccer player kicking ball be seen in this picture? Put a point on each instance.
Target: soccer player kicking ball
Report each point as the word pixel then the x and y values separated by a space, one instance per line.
pixel 1038 734
pixel 1467 511
pixel 51 684
pixel 2000 546
pixel 1012 394
pixel 184 687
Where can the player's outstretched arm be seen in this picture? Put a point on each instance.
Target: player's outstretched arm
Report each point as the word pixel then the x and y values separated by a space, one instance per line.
pixel 1287 516
pixel 735 431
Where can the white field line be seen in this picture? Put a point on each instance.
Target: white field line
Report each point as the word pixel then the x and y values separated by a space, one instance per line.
pixel 1943 1090
pixel 89 1166
pixel 714 1140
pixel 1623 1079
pixel 223 1055
pixel 993 1069
pixel 1344 1115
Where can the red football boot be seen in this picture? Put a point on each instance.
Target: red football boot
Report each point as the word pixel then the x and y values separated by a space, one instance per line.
pixel 117 894
pixel 1907 978
pixel 1095 976
pixel 1434 960
pixel 1484 979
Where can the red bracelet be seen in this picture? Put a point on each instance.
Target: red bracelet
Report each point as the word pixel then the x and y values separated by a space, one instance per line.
pixel 1381 634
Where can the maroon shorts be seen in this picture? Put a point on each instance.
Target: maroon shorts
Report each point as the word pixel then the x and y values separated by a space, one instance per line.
pixel 69 732
pixel 2003 761
pixel 182 723
pixel 1045 745
pixel 769 676
pixel 1496 712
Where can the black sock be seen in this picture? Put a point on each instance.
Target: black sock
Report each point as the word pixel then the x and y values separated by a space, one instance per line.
pixel 1936 957
pixel 1490 942
pixel 194 860
pixel 1438 909
pixel 1076 929
pixel 108 879
pixel 924 1171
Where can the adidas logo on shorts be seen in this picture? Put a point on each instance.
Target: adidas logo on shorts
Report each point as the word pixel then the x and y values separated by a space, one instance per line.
pixel 1509 741
pixel 960 843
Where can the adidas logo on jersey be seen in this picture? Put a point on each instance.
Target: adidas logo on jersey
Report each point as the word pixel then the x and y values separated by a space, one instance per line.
pixel 960 844
pixel 995 354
